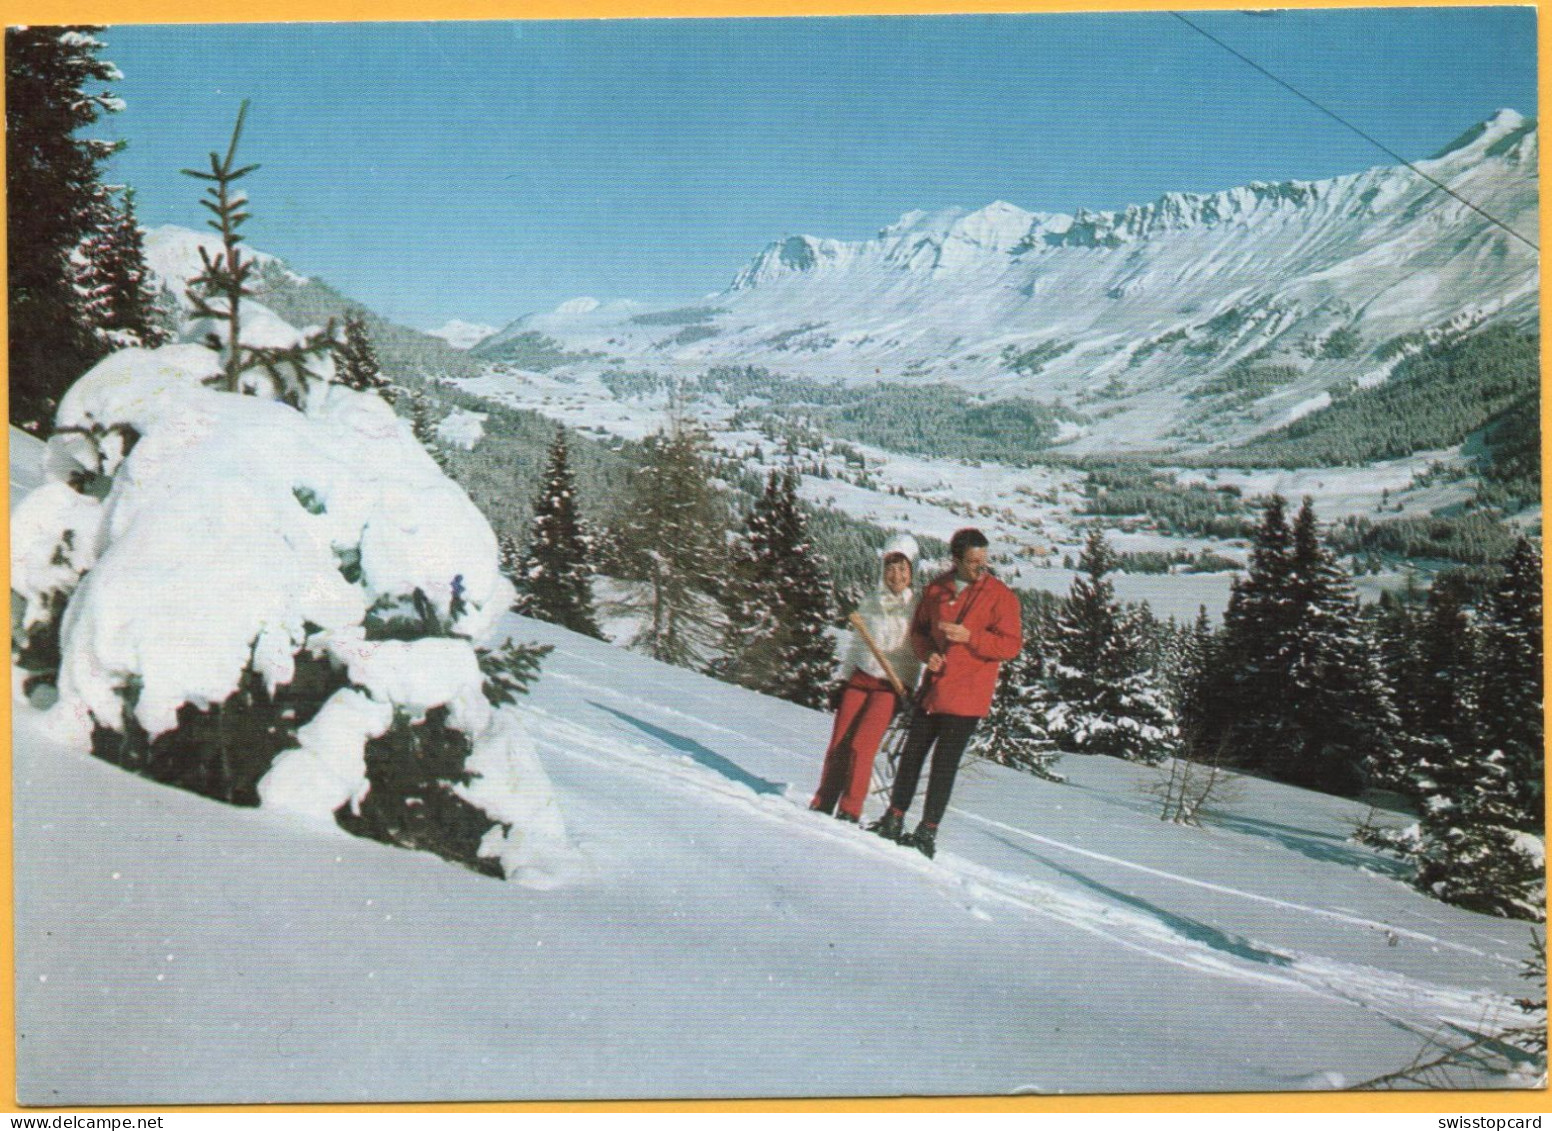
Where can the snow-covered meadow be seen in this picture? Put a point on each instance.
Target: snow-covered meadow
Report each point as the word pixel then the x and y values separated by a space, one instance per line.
pixel 715 939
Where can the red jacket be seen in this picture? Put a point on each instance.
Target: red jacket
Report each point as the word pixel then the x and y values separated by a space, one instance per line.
pixel 968 678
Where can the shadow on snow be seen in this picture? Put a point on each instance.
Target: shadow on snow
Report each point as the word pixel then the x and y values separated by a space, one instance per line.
pixel 1307 842
pixel 1191 929
pixel 703 755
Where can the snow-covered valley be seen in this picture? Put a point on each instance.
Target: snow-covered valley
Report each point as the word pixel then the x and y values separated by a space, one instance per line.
pixel 717 939
pixel 1035 516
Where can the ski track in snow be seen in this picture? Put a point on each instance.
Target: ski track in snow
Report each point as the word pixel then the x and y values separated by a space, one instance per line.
pixel 1355 920
pixel 1412 1003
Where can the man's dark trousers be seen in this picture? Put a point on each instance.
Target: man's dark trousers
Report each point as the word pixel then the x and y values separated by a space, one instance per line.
pixel 947 736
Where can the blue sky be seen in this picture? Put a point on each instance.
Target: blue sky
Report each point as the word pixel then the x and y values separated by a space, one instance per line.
pixel 484 170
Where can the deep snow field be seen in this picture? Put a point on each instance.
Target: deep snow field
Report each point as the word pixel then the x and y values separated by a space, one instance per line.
pixel 715 939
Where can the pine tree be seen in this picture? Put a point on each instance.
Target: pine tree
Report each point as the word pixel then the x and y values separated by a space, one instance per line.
pixel 675 538
pixel 510 555
pixel 424 424
pixel 1198 776
pixel 1393 625
pixel 1443 723
pixel 355 360
pixel 1192 671
pixel 1336 714
pixel 779 603
pixel 554 578
pixel 1481 789
pixel 54 200
pixel 217 292
pixel 1454 706
pixel 1109 700
pixel 122 307
pixel 1241 706
pixel 1471 855
pixel 1512 684
pixel 1015 731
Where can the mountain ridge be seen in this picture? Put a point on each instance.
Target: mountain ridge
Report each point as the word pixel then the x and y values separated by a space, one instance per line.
pixel 1125 314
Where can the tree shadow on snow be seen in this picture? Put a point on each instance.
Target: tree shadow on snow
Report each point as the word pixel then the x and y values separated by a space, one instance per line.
pixel 702 755
pixel 1324 847
pixel 1191 929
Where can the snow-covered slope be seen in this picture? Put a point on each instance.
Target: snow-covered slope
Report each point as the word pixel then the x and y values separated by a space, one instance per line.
pixel 1121 315
pixel 722 940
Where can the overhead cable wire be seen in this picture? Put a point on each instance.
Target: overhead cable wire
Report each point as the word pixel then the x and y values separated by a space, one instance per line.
pixel 1296 92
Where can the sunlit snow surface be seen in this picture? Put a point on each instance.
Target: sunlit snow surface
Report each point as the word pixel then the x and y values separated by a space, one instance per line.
pixel 722 941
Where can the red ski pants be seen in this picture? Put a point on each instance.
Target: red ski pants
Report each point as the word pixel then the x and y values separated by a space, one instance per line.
pixel 867 705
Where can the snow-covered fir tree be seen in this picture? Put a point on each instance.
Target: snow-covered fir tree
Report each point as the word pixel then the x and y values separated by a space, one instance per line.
pixel 122 305
pixel 1465 696
pixel 1198 776
pixel 423 423
pixel 1241 705
pixel 1109 701
pixel 1191 672
pixel 673 540
pixel 1336 710
pixel 554 577
pixel 778 602
pixel 1440 733
pixel 1015 731
pixel 1470 854
pixel 55 200
pixel 1394 620
pixel 1296 689
pixel 1467 853
pixel 1512 685
pixel 510 554
pixel 355 359
pixel 337 673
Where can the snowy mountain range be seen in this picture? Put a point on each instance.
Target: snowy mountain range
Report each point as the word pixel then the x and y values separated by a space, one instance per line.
pixel 1122 317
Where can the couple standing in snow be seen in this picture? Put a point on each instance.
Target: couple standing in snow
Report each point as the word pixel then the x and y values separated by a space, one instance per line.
pixel 955 636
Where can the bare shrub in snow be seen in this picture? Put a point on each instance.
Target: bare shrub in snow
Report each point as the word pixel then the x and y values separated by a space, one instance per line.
pixel 1187 790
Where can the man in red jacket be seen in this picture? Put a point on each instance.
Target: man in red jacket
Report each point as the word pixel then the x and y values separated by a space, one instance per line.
pixel 966 624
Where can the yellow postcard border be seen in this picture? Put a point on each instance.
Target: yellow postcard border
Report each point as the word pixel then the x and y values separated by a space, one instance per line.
pixel 270 11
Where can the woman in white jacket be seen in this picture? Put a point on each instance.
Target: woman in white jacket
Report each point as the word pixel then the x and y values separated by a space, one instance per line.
pixel 868 701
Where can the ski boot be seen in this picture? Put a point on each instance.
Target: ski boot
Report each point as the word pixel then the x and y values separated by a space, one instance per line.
pixel 924 840
pixel 849 818
pixel 889 826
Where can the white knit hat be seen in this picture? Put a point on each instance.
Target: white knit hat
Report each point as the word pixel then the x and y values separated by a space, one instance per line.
pixel 902 544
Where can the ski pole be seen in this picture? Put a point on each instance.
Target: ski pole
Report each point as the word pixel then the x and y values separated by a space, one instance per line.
pixel 860 627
